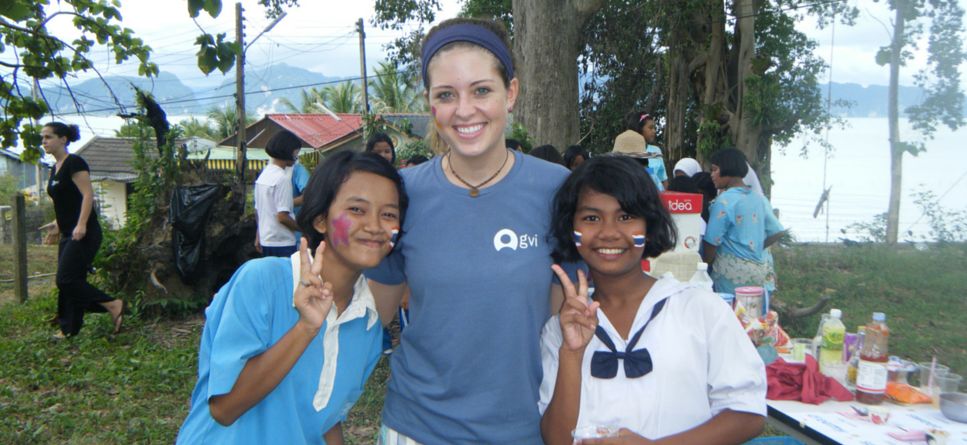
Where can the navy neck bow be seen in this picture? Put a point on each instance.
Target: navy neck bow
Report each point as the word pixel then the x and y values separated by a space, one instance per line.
pixel 604 364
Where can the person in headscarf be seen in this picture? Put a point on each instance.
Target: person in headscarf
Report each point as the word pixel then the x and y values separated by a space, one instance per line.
pixel 686 167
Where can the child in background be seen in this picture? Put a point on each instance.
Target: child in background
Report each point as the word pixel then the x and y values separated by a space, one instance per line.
pixel 283 357
pixel 548 153
pixel 574 156
pixel 644 124
pixel 689 374
pixel 275 223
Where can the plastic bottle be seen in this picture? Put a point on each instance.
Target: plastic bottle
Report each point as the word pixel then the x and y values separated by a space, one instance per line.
pixel 818 339
pixel 854 361
pixel 701 278
pixel 831 348
pixel 871 376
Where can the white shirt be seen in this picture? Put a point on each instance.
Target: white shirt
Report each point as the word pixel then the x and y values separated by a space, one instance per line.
pixel 273 194
pixel 703 363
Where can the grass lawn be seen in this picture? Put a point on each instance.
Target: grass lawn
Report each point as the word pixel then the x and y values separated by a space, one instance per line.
pixel 135 387
pixel 922 293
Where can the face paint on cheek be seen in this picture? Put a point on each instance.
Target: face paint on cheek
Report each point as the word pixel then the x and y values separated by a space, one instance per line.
pixel 433 110
pixel 577 238
pixel 340 230
pixel 639 239
pixel 394 233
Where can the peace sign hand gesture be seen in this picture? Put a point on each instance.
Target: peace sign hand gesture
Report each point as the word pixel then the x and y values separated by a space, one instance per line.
pixel 312 297
pixel 578 319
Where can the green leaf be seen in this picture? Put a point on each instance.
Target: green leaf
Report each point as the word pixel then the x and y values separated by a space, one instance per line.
pixel 214 7
pixel 206 59
pixel 194 6
pixel 883 55
pixel 16 10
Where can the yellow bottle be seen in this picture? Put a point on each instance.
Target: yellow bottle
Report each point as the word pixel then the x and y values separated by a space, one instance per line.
pixel 834 331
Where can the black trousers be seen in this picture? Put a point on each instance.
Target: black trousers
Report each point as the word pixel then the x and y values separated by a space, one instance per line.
pixel 75 295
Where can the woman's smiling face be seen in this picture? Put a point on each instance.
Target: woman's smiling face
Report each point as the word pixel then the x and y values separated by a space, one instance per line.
pixel 468 98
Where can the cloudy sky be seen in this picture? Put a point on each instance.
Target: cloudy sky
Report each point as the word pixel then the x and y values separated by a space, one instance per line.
pixel 319 36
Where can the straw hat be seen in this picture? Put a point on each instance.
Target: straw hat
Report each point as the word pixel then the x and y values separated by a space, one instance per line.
pixel 633 144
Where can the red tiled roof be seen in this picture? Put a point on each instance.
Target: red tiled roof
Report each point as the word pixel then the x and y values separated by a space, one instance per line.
pixel 318 129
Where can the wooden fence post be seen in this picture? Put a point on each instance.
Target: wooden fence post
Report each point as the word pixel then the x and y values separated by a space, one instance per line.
pixel 19 240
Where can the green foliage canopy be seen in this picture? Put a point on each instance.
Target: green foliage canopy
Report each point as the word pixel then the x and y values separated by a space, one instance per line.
pixel 39 55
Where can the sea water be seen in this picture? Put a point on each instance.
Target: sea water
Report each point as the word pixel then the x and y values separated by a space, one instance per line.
pixel 859 173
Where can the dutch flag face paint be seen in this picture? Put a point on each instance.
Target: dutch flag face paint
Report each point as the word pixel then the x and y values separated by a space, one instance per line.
pixel 577 238
pixel 639 239
pixel 394 233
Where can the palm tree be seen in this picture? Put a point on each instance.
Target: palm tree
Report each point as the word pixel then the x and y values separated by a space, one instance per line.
pixel 344 98
pixel 226 120
pixel 393 92
pixel 310 99
pixel 194 127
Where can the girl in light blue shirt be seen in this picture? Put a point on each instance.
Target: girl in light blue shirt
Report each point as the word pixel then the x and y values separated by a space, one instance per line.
pixel 284 357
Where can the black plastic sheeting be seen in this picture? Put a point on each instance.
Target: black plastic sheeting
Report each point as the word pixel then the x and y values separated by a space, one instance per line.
pixel 189 211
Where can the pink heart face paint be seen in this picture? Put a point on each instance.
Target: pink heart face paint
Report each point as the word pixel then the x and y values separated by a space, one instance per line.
pixel 639 239
pixel 340 230
pixel 394 233
pixel 577 238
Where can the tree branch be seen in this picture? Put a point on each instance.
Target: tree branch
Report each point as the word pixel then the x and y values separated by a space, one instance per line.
pixel 10 65
pixel 585 9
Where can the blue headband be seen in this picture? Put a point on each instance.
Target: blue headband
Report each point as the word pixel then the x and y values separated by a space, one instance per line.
pixel 477 35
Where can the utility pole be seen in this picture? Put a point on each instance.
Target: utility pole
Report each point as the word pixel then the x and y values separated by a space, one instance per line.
pixel 362 64
pixel 240 159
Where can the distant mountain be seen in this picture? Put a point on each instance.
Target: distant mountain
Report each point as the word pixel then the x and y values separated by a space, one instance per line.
pixel 95 97
pixel 281 80
pixel 276 82
pixel 870 101
pixel 176 98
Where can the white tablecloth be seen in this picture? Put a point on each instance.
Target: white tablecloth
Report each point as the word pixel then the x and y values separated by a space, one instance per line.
pixel 826 420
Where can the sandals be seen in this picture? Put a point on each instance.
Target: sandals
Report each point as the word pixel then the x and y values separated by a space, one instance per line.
pixel 117 323
pixel 119 320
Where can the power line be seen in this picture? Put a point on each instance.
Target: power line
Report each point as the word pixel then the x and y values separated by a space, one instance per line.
pixel 272 90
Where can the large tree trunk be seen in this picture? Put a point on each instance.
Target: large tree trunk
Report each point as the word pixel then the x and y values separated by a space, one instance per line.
pixel 713 84
pixel 745 135
pixel 546 41
pixel 896 154
pixel 677 96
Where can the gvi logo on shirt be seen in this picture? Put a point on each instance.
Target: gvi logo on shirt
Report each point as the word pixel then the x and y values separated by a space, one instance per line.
pixel 512 240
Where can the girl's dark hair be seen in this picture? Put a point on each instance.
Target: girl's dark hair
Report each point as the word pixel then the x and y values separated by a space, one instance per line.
pixel 329 176
pixel 416 160
pixel 381 137
pixel 731 162
pixel 573 152
pixel 682 184
pixel 703 181
pixel 71 132
pixel 634 121
pixel 625 180
pixel 283 145
pixel 547 153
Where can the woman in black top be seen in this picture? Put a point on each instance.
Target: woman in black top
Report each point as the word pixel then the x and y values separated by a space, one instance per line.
pixel 76 221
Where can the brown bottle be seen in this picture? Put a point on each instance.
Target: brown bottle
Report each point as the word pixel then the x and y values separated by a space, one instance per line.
pixel 871 375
